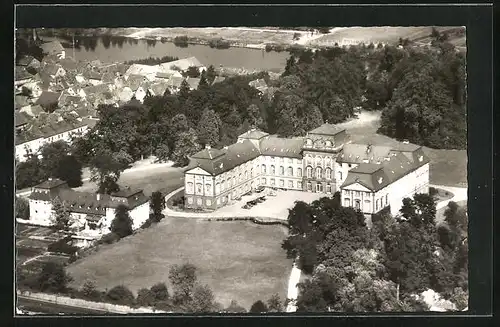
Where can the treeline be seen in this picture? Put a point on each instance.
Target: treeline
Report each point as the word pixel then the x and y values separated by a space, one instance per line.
pixel 151 61
pixel 187 293
pixel 356 269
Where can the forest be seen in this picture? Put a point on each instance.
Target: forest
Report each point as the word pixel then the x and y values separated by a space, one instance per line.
pixel 420 91
pixel 351 268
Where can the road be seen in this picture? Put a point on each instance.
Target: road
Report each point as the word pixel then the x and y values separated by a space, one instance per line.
pixel 46 307
pixel 293 289
pixel 459 194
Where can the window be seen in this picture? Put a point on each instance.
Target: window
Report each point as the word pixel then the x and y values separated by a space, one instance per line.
pixel 347 202
pixel 198 201
pixel 273 182
pixel 299 172
pixel 328 143
pixel 246 174
pixel 272 159
pixel 340 175
pixel 290 184
pixel 309 186
pixel 309 172
pixel 282 183
pixel 319 188
pixel 282 170
pixel 290 160
pixel 386 199
pixel 357 193
pixel 190 187
pixel 309 142
pixel 263 169
pixel 240 177
pixel 318 172
pixel 299 185
pixel 217 188
pixel 234 181
pixel 223 186
pixel 328 188
pixel 208 202
pixel 190 200
pixel 208 188
pixel 358 204
pixel 199 188
pixel 251 172
pixel 218 201
pixel 328 173
pixel 263 181
pixel 273 170
pixel 290 171
pixel 282 160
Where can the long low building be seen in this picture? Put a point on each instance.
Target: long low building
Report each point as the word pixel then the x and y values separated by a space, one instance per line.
pixel 92 212
pixel 369 177
pixel 30 141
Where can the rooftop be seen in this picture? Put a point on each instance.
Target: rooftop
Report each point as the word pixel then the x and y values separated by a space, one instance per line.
pixel 50 183
pixel 52 47
pixel 282 147
pixel 182 64
pixel 327 129
pixel 48 98
pixel 254 134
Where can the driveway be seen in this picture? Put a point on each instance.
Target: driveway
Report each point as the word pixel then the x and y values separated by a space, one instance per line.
pixel 459 194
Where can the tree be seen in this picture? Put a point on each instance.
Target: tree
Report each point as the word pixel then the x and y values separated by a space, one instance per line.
pixel 258 307
pixel 203 85
pixel 52 154
pixel 61 215
pixel 22 208
pixel 255 117
pixel 107 167
pixel 183 279
pixel 53 278
pixel 157 205
pixel 209 128
pixel 30 172
pixel 162 153
pixel 145 297
pixel 69 169
pixel 90 291
pixel 203 299
pixel 122 223
pixel 185 146
pixel 184 91
pixel 210 74
pixel 460 298
pixel 120 295
pixel 455 216
pixel 419 211
pixel 274 303
pixel 160 292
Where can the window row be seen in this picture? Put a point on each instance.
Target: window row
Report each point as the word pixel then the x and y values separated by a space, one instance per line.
pixel 281 183
pixel 281 171
pixel 320 173
pixel 319 188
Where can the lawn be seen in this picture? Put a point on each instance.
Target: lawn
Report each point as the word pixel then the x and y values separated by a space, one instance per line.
pixel 165 179
pixel 239 260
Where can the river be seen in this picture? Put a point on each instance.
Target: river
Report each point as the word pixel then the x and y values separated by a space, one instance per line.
pixel 110 50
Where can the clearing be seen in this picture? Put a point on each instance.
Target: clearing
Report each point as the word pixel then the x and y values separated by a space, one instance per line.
pixel 239 260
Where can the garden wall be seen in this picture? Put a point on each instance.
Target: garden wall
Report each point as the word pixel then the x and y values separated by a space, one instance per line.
pixel 79 303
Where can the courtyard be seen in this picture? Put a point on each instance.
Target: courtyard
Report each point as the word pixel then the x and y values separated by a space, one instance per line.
pixel 239 260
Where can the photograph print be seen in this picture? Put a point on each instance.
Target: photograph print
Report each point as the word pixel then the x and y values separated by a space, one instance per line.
pixel 241 170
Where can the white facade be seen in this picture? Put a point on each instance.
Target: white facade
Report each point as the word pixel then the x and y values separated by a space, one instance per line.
pixel 23 149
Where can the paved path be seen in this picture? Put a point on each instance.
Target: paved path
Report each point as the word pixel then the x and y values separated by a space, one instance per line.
pixel 205 215
pixel 293 289
pixel 459 194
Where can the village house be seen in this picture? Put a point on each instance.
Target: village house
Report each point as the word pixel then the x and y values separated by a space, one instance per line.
pixel 33 139
pixel 22 76
pixel 369 178
pixel 21 121
pixel 53 48
pixel 34 87
pixel 182 65
pixel 91 213
pixel 21 101
pixel 53 70
pixel 33 111
pixel 174 84
pixel 48 100
pixel 93 77
pixel 29 62
pixel 193 83
pixel 260 84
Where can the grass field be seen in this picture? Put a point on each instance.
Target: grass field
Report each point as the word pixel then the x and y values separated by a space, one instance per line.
pixel 238 260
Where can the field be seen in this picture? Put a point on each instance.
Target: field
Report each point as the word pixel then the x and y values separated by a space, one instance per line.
pixel 238 260
pixel 448 167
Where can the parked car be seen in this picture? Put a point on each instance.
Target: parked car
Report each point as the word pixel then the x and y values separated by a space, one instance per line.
pixel 259 189
pixel 261 199
pixel 252 203
pixel 272 193
pixel 247 206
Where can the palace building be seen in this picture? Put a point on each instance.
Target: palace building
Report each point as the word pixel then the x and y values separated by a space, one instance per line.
pixel 368 177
